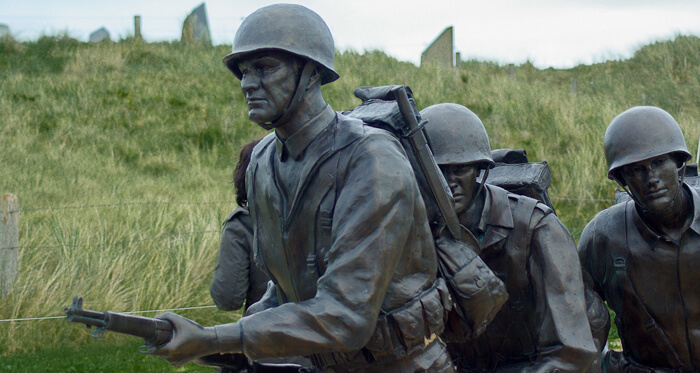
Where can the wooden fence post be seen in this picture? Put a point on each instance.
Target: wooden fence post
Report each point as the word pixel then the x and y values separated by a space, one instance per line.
pixel 574 85
pixel 9 242
pixel 511 71
pixel 137 27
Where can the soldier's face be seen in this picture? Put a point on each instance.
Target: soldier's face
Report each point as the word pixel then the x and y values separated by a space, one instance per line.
pixel 462 182
pixel 268 81
pixel 653 182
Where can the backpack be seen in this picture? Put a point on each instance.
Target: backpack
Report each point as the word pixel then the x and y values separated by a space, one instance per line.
pixel 514 173
pixel 478 294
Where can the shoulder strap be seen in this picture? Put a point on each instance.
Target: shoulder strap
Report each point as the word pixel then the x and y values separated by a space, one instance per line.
pixel 325 219
pixel 619 252
pixel 517 280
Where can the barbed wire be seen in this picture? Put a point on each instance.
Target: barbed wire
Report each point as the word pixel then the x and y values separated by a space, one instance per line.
pixel 128 313
pixel 116 204
pixel 583 199
pixel 191 233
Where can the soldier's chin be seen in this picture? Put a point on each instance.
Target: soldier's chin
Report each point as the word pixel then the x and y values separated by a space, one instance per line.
pixel 266 126
pixel 260 121
pixel 656 204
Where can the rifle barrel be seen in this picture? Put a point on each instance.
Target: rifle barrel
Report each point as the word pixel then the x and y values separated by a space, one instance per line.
pixel 438 185
pixel 154 332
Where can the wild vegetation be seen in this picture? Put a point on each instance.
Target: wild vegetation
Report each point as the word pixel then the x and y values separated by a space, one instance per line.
pixel 121 156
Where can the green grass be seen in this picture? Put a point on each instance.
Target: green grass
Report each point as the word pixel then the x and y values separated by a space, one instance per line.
pixel 93 357
pixel 121 156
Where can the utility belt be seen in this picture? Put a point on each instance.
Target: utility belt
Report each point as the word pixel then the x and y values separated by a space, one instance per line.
pixel 399 333
pixel 617 362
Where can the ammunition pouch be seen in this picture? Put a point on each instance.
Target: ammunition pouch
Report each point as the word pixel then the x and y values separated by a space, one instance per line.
pixel 478 294
pixel 617 362
pixel 399 333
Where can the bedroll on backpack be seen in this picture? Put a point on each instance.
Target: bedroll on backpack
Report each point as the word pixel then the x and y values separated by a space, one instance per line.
pixel 514 173
pixel 478 294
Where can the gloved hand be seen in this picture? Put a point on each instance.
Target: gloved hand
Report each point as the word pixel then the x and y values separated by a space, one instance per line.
pixel 190 341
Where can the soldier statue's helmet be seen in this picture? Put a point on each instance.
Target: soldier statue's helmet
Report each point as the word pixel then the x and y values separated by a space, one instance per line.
pixel 456 135
pixel 641 133
pixel 285 27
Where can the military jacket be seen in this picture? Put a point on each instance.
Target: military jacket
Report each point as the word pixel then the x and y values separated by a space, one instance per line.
pixel 663 274
pixel 340 225
pixel 236 276
pixel 543 327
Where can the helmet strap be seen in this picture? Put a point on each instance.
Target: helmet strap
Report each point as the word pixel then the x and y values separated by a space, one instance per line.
pixel 624 187
pixel 481 186
pixel 295 101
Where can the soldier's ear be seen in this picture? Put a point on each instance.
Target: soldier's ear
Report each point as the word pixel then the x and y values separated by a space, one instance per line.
pixel 619 178
pixel 680 161
pixel 315 77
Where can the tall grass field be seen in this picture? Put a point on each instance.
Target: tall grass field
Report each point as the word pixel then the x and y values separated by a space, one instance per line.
pixel 121 156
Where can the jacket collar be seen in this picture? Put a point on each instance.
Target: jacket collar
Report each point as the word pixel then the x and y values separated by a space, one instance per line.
pixel 496 219
pixel 295 145
pixel 695 225
pixel 498 213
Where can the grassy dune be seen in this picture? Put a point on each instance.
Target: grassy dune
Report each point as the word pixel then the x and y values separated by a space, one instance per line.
pixel 121 156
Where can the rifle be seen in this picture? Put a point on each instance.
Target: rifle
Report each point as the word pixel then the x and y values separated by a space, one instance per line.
pixel 392 108
pixel 438 185
pixel 156 332
pixel 477 292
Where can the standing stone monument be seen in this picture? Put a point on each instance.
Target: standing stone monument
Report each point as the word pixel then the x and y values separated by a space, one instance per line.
pixel 195 29
pixel 4 31
pixel 440 51
pixel 99 35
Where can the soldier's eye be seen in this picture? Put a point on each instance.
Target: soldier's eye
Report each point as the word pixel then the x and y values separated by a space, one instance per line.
pixel 463 170
pixel 269 69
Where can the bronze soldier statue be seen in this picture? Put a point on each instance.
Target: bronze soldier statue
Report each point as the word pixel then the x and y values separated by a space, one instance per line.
pixel 236 276
pixel 641 256
pixel 338 220
pixel 543 326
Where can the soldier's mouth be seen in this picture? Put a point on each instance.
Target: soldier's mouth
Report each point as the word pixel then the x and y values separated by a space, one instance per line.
pixel 656 193
pixel 255 101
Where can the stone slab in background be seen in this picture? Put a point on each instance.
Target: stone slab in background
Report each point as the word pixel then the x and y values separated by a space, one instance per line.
pixel 4 31
pixel 195 29
pixel 440 51
pixel 99 35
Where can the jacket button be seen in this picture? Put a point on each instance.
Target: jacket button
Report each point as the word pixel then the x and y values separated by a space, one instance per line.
pixel 413 327
pixel 480 283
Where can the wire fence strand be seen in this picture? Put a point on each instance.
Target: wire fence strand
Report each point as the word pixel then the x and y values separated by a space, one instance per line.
pixel 121 242
pixel 127 313
pixel 117 204
pixel 583 199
